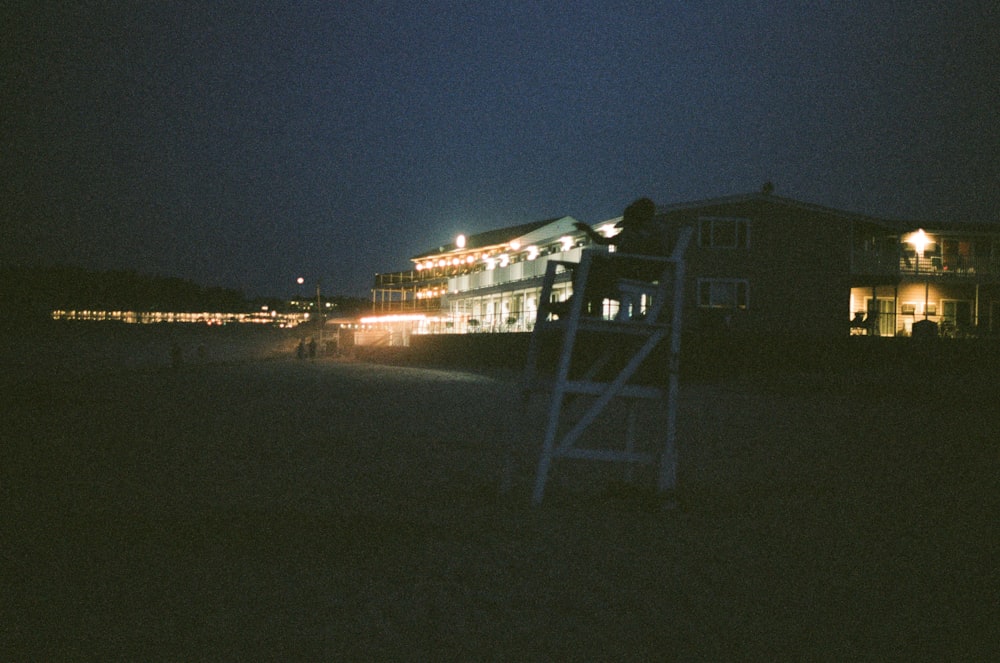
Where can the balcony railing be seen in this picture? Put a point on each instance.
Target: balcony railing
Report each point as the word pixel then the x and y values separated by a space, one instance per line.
pixel 908 264
pixel 519 271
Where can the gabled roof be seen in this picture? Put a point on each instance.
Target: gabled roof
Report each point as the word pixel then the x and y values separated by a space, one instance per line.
pixel 890 224
pixel 770 198
pixel 490 237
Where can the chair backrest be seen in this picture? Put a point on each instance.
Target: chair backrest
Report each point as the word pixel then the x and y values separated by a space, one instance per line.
pixel 661 288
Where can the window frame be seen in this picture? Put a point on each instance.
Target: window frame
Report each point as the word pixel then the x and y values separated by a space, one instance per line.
pixel 740 294
pixel 707 232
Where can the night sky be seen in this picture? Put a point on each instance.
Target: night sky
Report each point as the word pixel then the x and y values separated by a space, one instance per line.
pixel 244 144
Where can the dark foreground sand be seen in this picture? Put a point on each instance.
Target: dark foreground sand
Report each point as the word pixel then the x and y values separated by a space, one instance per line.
pixel 285 510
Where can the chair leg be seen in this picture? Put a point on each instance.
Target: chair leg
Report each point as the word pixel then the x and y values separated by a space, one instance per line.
pixel 630 433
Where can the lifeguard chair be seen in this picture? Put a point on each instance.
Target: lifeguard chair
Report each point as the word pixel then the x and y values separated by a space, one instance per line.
pixel 608 356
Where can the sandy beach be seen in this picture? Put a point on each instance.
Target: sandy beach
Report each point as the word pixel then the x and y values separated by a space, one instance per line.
pixel 275 509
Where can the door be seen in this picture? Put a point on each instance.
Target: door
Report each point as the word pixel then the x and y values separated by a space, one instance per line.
pixel 885 312
pixel 956 316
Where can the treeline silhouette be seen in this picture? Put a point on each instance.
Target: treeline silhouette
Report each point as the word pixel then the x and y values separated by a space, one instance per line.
pixel 37 291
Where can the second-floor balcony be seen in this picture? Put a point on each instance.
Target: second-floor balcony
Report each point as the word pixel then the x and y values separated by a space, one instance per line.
pixel 905 263
pixel 928 254
pixel 511 273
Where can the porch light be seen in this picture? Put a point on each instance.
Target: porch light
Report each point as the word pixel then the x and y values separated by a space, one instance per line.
pixel 532 252
pixel 460 241
pixel 515 245
pixel 919 240
pixel 567 242
pixel 504 260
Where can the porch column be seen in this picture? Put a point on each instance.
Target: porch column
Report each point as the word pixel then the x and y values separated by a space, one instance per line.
pixel 975 311
pixel 895 309
pixel 873 313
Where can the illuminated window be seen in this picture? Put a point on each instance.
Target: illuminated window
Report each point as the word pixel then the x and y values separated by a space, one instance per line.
pixel 723 233
pixel 723 293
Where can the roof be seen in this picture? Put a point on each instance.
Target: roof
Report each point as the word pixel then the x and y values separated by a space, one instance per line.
pixel 490 237
pixel 769 198
pixel 891 224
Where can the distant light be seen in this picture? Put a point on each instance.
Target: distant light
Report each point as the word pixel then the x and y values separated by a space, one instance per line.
pixel 300 280
pixel 460 241
pixel 515 245
pixel 567 242
pixel 532 252
pixel 504 260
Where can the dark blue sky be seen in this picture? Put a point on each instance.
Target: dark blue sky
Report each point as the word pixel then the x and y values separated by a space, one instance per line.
pixel 244 144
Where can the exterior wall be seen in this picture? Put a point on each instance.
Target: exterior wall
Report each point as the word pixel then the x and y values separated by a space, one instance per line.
pixel 959 309
pixel 504 299
pixel 795 266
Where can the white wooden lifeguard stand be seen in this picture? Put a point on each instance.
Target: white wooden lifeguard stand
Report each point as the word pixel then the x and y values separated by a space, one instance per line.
pixel 650 314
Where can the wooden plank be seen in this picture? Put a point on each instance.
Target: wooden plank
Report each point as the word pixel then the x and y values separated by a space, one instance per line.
pixel 626 391
pixel 609 455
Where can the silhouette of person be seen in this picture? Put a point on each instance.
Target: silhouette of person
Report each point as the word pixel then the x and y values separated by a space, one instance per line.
pixel 640 234
pixel 300 351
pixel 312 348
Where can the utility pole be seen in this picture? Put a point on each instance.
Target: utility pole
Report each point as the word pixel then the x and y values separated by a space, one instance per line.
pixel 320 315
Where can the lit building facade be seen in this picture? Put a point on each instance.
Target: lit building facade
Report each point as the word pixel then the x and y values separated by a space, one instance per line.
pixel 760 266
pixel 488 282
pixel 947 274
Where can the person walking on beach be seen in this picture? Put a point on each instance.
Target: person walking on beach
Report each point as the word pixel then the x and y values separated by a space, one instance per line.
pixel 176 355
pixel 312 348
pixel 300 351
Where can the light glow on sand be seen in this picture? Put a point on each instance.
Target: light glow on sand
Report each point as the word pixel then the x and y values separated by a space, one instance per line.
pixel 399 317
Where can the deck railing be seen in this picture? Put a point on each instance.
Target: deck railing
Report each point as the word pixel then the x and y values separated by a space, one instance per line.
pixel 909 264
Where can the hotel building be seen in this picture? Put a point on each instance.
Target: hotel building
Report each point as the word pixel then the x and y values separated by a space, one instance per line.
pixel 760 265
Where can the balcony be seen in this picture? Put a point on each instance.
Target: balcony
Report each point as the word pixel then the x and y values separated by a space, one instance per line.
pixel 906 263
pixel 511 273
